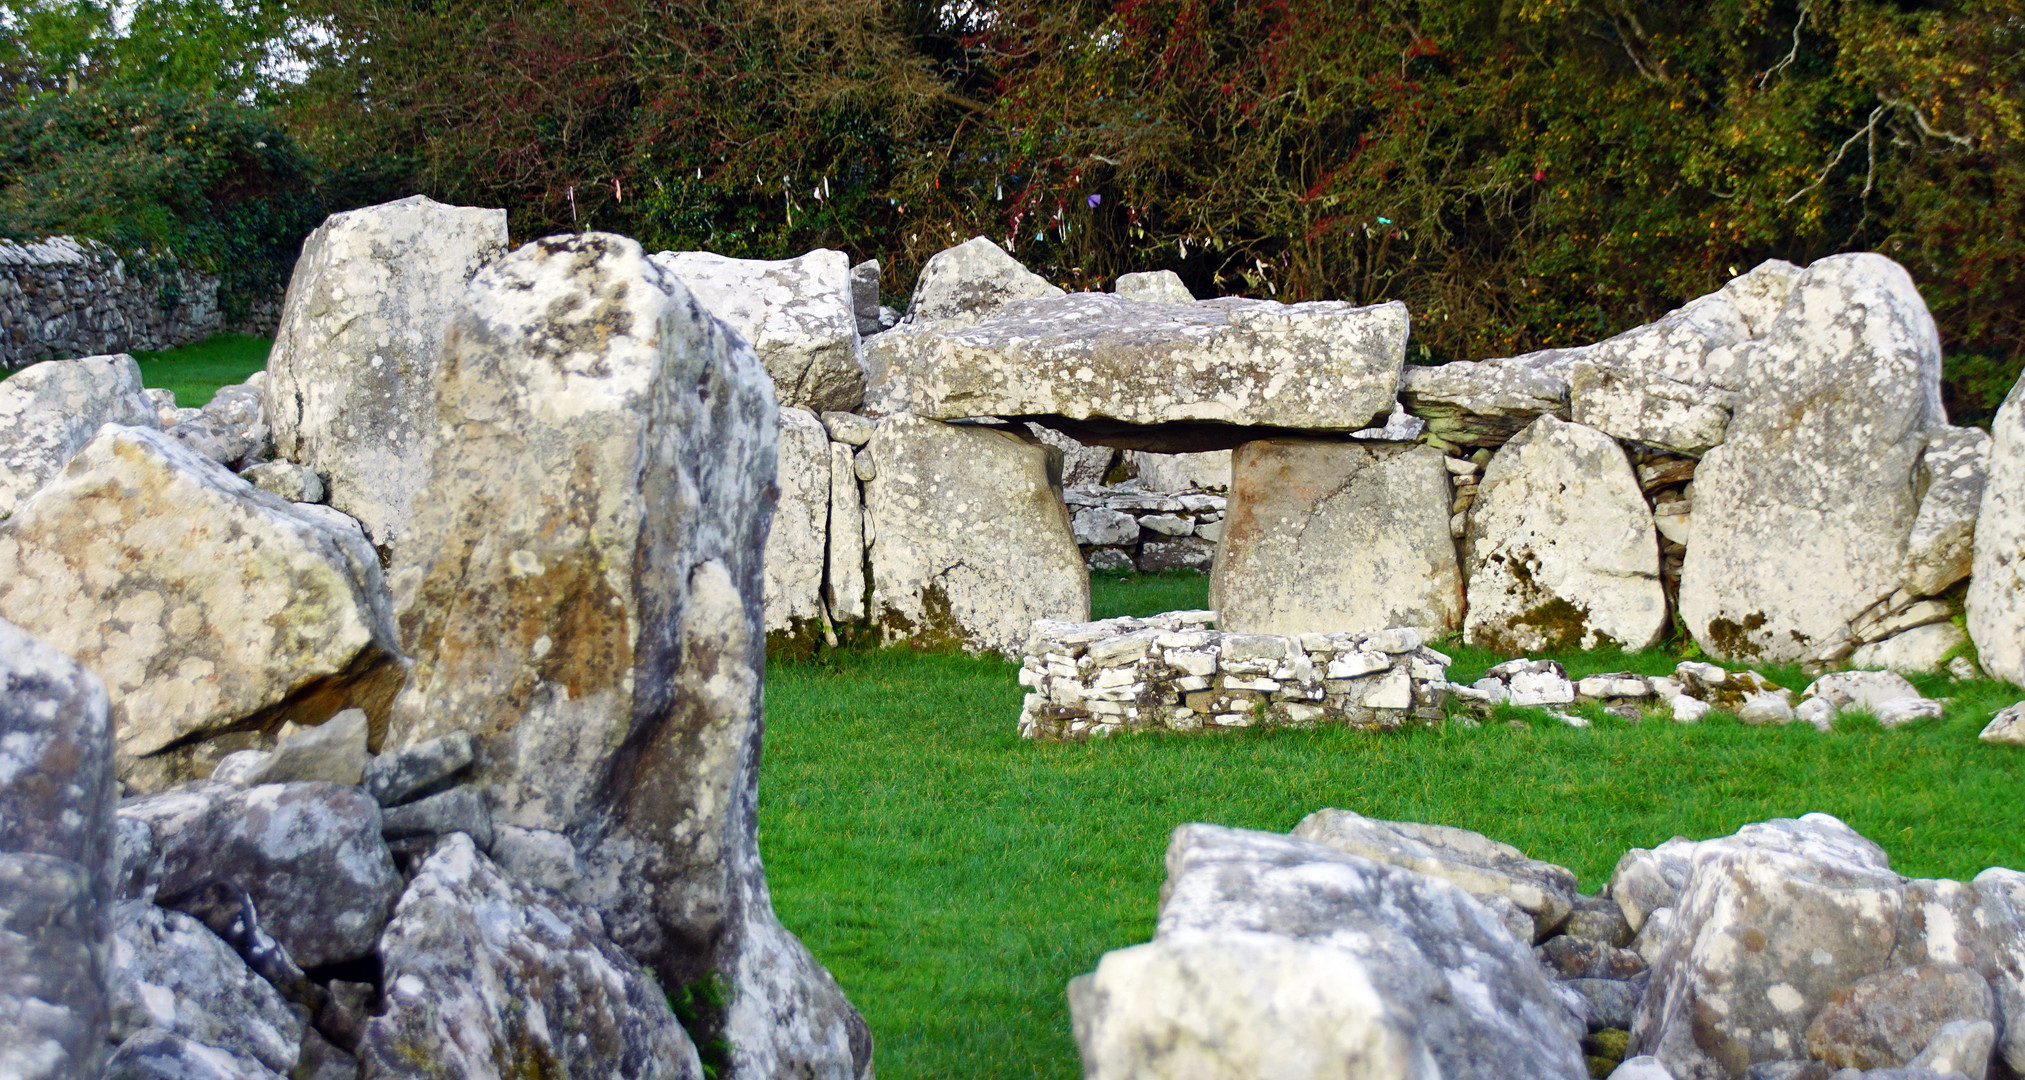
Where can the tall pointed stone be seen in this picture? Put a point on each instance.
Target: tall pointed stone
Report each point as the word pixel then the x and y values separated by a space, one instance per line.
pixel 582 590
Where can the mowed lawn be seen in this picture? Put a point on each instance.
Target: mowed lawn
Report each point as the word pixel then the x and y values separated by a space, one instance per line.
pixel 954 877
pixel 195 372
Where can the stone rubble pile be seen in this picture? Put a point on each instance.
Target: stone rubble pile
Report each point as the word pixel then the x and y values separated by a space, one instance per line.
pixel 1173 672
pixel 1693 690
pixel 1385 950
pixel 1129 527
pixel 466 795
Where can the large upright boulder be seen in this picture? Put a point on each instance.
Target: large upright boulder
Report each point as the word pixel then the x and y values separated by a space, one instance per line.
pixel 1941 547
pixel 970 540
pixel 1561 552
pixel 56 846
pixel 1109 362
pixel 798 315
pixel 798 545
pixel 583 594
pixel 49 410
pixel 1276 956
pixel 205 604
pixel 1996 600
pixel 1801 516
pixel 350 388
pixel 1321 536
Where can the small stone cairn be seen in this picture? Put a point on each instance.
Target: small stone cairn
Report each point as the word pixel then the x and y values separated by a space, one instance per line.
pixel 1175 672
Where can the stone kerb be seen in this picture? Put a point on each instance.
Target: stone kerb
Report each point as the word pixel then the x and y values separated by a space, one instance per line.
pixel 1175 672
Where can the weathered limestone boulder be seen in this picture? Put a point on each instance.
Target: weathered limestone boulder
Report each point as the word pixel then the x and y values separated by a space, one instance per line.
pixel 1156 286
pixel 1885 1020
pixel 798 544
pixel 1922 648
pixel 1772 922
pixel 1479 865
pixel 799 315
pixel 1941 548
pixel 1108 362
pixel 350 388
pixel 1080 464
pixel 157 1054
pixel 205 604
pixel 970 541
pixel 1485 402
pixel 172 973
pixel 309 855
pixel 844 576
pixel 56 848
pixel 49 410
pixel 1801 516
pixel 1276 956
pixel 1206 471
pixel 488 977
pixel 584 591
pixel 1996 600
pixel 231 429
pixel 1561 552
pixel 971 280
pixel 865 297
pixel 1321 536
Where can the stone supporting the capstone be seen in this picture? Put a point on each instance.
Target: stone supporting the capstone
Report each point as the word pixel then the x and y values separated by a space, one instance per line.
pixel 1174 672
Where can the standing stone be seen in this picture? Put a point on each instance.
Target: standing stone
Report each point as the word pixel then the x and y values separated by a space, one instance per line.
pixel 56 875
pixel 798 543
pixel 50 409
pixel 206 604
pixel 1996 600
pixel 1323 536
pixel 1941 549
pixel 350 388
pixel 1157 286
pixel 1561 552
pixel 584 595
pixel 971 280
pixel 865 297
pixel 844 579
pixel 799 315
pixel 489 978
pixel 1801 516
pixel 970 539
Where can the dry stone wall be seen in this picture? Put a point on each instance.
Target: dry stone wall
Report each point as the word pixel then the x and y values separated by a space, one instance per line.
pixel 63 297
pixel 1174 672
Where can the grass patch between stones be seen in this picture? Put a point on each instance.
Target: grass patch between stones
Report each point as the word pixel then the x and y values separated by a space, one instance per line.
pixel 195 372
pixel 955 877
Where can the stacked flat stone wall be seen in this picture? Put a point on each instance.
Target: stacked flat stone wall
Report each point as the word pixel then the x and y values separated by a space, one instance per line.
pixel 1176 672
pixel 1128 527
pixel 63 298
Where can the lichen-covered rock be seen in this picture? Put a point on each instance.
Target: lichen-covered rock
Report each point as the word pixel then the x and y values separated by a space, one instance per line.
pixel 487 978
pixel 844 573
pixel 333 751
pixel 156 1054
pixel 1772 922
pixel 1080 464
pixel 1206 471
pixel 2007 727
pixel 1155 286
pixel 970 541
pixel 865 297
pixel 1801 516
pixel 1426 980
pixel 799 315
pixel 1996 599
pixel 797 546
pixel 49 410
pixel 309 855
pixel 1481 866
pixel 1110 361
pixel 170 972
pixel 56 861
pixel 1561 552
pixel 1920 649
pixel 401 774
pixel 584 593
pixel 1941 548
pixel 1485 402
pixel 231 429
pixel 1321 536
pixel 204 603
pixel 1884 1020
pixel 971 280
pixel 286 480
pixel 350 388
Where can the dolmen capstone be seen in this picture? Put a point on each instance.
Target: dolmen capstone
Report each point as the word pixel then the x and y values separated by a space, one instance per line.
pixel 1381 949
pixel 485 808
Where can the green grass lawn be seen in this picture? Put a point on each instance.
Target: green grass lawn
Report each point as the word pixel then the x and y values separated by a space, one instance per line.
pixel 195 372
pixel 955 877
